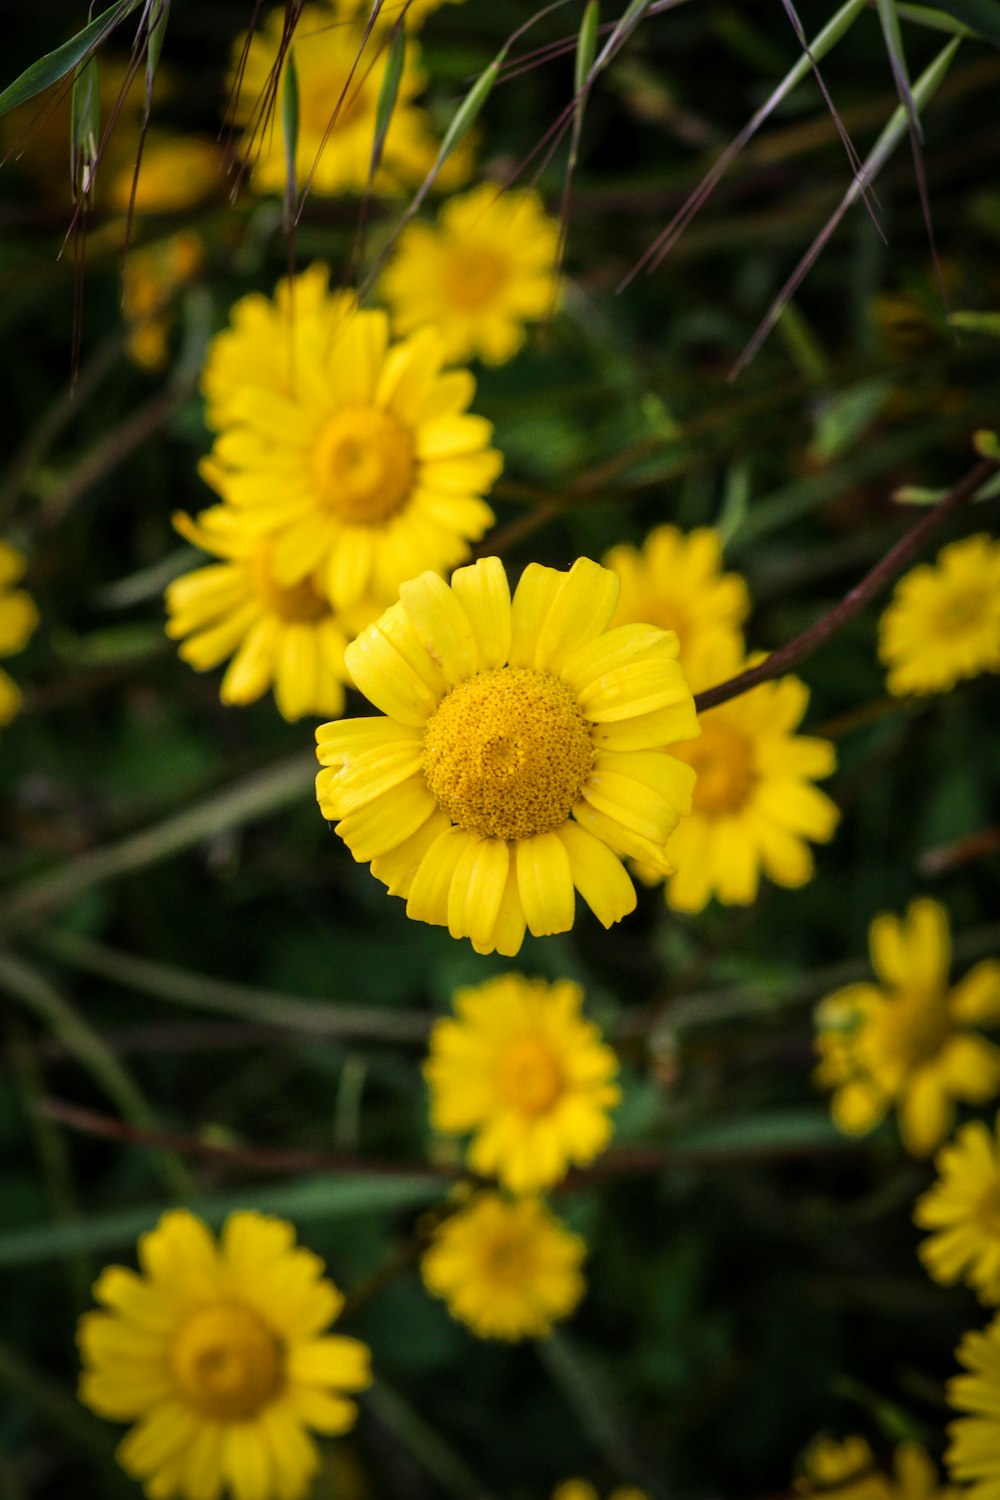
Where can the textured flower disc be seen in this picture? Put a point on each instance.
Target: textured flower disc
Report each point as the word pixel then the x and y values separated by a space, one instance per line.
pixel 340 78
pixel 523 755
pixel 943 622
pixel 506 1268
pixel 909 1041
pixel 369 470
pixel 285 637
pixel 218 1354
pixel 523 1071
pixel 479 275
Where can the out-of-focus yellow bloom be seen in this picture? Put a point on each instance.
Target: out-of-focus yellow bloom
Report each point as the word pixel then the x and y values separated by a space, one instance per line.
pixel 219 1355
pixel 416 11
pixel 846 1470
pixel 152 278
pixel 506 1268
pixel 478 275
pixel 973 1456
pixel 580 1489
pixel 963 1209
pixel 176 173
pixel 943 622
pixel 525 751
pixel 523 1070
pixel 18 621
pixel 908 1042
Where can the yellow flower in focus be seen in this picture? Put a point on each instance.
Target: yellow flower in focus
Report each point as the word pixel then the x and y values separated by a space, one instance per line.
pixel 908 1042
pixel 370 471
pixel 523 1070
pixel 754 804
pixel 285 638
pixel 676 581
pixel 506 1268
pixel 973 1455
pixel 334 66
pixel 18 621
pixel 176 172
pixel 269 338
pixel 151 280
pixel 479 275
pixel 523 754
pixel 943 622
pixel 218 1353
pixel 846 1470
pixel 963 1209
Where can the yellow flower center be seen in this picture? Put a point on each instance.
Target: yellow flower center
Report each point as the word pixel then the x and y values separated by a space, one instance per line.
pixel 723 762
pixel 507 1259
pixel 363 465
pixel 988 1211
pixel 226 1363
pixel 299 603
pixel 911 1031
pixel 507 753
pixel 476 275
pixel 529 1076
pixel 962 611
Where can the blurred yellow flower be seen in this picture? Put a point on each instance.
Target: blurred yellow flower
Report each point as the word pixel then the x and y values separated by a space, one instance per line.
pixel 285 638
pixel 268 338
pixel 506 1268
pixel 152 277
pixel 676 581
pixel 973 1455
pixel 416 11
pixel 523 1070
pixel 754 804
pixel 943 622
pixel 963 1208
pixel 523 754
pixel 18 621
pixel 218 1353
pixel 908 1042
pixel 337 71
pixel 580 1489
pixel 479 275
pixel 846 1469
pixel 370 471
pixel 177 172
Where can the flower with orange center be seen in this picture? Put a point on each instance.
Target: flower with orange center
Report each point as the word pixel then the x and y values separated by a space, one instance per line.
pixel 754 805
pixel 943 621
pixel 339 78
pixel 368 470
pixel 963 1209
pixel 285 637
pixel 523 1071
pixel 479 275
pixel 908 1042
pixel 523 755
pixel 218 1353
pixel 506 1268
pixel 675 580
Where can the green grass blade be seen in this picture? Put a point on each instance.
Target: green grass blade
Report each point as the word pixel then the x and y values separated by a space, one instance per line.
pixel 47 70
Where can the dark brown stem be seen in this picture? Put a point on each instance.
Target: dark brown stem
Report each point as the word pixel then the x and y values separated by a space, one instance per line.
pixel 895 560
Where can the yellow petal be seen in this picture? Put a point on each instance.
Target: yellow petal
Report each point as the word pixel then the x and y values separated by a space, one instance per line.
pixel 477 890
pixel 381 825
pixel 597 874
pixel 580 611
pixel 484 594
pixel 533 597
pixel 545 884
pixel 442 626
pixel 428 901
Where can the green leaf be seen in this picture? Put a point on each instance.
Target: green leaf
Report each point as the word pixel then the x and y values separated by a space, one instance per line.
pixel 846 418
pixel 85 124
pixel 977 322
pixel 49 69
pixel 290 130
pixel 982 17
pixel 311 1199
pixel 586 47
pixel 388 93
pixel 154 46
pixel 804 1128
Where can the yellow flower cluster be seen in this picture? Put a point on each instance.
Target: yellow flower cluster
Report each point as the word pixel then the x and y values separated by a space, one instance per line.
pixel 847 1470
pixel 943 623
pixel 754 805
pixel 18 621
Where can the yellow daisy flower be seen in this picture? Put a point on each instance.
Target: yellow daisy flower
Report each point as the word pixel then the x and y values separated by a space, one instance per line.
pixel 846 1469
pixel 754 804
pixel 370 471
pixel 331 56
pixel 479 275
pixel 523 1070
pixel 218 1353
pixel 963 1209
pixel 177 172
pixel 523 752
pixel 285 638
pixel 152 277
pixel 943 622
pixel 909 1041
pixel 506 1268
pixel 266 339
pixel 973 1455
pixel 417 11
pixel 18 621
pixel 579 1489
pixel 676 581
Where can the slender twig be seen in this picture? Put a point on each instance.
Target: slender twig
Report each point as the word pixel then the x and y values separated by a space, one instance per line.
pixel 895 560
